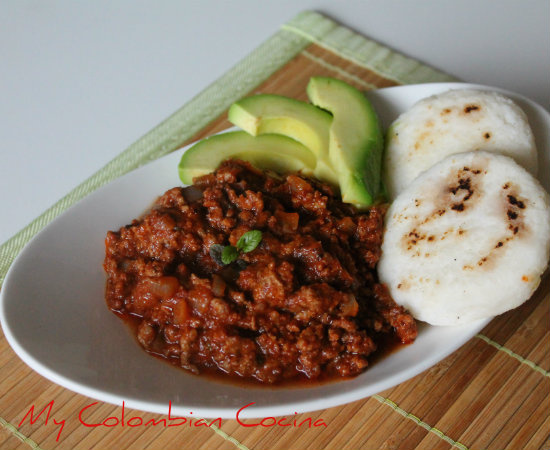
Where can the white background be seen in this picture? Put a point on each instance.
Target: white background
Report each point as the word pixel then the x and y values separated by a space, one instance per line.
pixel 80 81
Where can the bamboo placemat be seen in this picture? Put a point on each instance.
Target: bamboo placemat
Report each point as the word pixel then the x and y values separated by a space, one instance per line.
pixel 493 393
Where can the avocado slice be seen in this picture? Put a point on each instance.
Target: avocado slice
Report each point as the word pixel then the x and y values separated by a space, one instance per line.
pixel 268 151
pixel 355 138
pixel 271 113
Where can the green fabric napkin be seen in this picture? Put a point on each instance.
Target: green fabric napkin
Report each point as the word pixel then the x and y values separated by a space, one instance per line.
pixel 293 37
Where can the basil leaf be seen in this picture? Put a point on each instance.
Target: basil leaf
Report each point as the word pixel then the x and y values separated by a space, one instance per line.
pixel 249 241
pixel 216 253
pixel 229 254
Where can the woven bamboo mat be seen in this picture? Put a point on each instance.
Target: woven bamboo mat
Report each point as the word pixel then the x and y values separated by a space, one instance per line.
pixel 493 393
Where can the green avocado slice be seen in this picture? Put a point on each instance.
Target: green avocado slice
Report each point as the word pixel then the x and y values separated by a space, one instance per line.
pixel 271 113
pixel 268 151
pixel 355 138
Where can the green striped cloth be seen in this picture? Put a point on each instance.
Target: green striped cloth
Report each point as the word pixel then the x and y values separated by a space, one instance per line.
pixel 292 38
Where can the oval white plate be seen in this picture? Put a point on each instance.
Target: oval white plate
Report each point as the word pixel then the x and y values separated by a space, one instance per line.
pixel 54 314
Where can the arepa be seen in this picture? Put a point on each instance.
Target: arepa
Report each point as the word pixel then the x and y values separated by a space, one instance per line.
pixel 455 121
pixel 468 239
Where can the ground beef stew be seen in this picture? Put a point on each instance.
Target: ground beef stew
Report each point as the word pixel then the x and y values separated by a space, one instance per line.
pixel 305 303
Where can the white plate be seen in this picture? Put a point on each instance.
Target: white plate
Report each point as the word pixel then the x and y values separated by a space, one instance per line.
pixel 54 314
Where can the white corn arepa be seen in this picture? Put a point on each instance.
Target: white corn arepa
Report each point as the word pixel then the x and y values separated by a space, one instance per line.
pixel 455 121
pixel 468 239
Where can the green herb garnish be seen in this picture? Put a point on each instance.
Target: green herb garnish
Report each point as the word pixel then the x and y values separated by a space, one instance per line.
pixel 249 241
pixel 216 253
pixel 229 254
pixel 224 255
